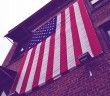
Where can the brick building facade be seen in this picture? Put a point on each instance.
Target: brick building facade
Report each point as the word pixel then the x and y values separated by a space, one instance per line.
pixel 89 79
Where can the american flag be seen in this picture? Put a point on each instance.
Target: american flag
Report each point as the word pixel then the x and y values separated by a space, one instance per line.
pixel 55 47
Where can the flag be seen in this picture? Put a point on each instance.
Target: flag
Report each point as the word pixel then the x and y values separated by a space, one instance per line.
pixel 55 47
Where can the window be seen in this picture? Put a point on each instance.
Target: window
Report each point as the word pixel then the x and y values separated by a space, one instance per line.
pixel 3 94
pixel 106 32
pixel 97 3
pixel 93 2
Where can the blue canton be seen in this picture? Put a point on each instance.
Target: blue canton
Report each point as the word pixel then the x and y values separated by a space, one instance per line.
pixel 42 33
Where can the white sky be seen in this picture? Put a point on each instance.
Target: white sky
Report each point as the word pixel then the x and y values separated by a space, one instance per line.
pixel 13 12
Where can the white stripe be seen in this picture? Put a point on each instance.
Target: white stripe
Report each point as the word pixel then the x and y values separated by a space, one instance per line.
pixel 69 41
pixel 44 62
pixel 33 68
pixel 18 88
pixel 81 30
pixel 56 62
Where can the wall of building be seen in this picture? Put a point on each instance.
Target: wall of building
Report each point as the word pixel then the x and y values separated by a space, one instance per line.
pixel 77 81
pixel 15 65
pixel 10 53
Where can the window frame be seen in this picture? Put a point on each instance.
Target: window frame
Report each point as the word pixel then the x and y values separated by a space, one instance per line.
pixel 97 4
pixel 104 30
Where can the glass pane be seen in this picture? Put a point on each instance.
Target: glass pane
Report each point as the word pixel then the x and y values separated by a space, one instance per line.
pixel 108 32
pixel 3 94
pixel 94 1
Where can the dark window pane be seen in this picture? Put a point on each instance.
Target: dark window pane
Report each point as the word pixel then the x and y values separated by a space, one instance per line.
pixel 106 32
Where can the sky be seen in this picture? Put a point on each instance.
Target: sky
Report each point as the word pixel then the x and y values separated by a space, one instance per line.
pixel 13 12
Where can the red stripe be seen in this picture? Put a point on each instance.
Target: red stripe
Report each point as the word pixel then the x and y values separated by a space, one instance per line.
pixel 24 84
pixel 39 65
pixel 50 58
pixel 94 43
pixel 75 36
pixel 19 73
pixel 63 51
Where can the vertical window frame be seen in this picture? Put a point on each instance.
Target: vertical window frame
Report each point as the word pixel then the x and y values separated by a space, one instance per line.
pixel 104 28
pixel 97 4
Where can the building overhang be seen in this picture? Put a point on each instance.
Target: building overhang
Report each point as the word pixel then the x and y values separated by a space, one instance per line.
pixel 6 75
pixel 18 34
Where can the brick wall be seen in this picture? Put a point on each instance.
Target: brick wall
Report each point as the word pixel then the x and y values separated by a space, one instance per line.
pixel 77 81
pixel 101 13
pixel 10 54
pixel 15 66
